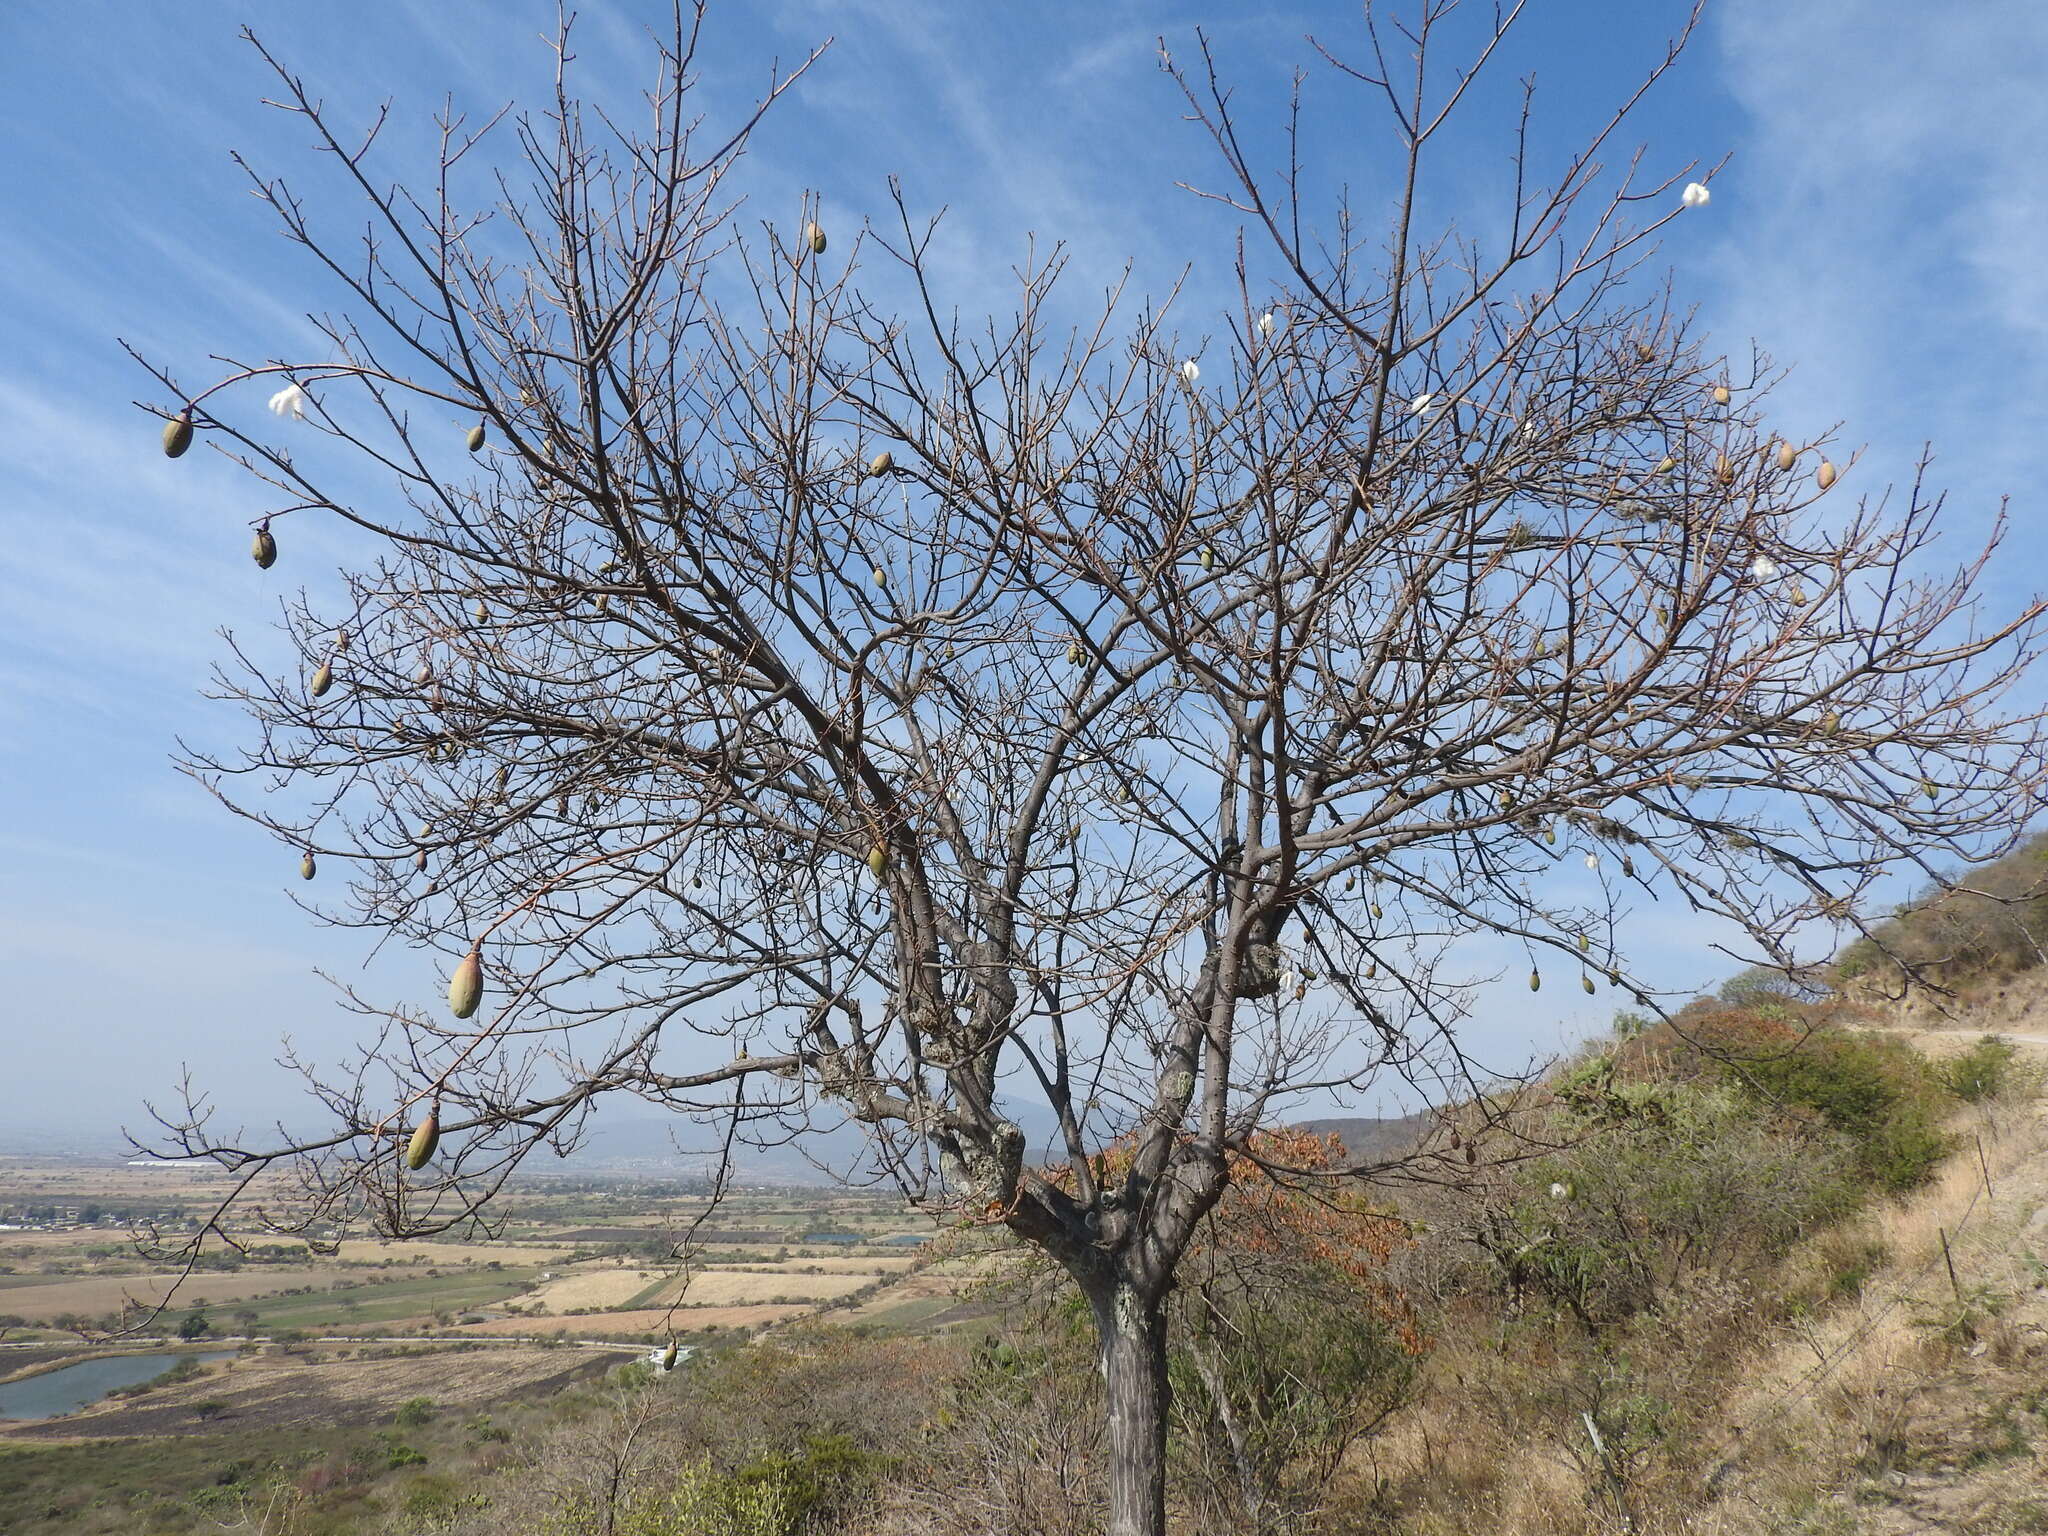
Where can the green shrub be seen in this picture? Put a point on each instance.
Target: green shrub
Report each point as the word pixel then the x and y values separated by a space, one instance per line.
pixel 1677 1179
pixel 1879 1093
pixel 1990 1069
pixel 413 1412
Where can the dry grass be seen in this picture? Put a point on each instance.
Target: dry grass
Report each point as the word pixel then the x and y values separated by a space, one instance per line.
pixel 590 1289
pixel 449 1255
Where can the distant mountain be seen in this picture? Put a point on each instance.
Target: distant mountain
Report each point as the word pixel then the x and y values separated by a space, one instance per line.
pixel 1371 1140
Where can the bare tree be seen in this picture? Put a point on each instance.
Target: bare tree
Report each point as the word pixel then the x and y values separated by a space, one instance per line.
pixel 795 697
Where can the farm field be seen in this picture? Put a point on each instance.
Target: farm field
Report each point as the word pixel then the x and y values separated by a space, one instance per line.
pixel 39 1298
pixel 649 1322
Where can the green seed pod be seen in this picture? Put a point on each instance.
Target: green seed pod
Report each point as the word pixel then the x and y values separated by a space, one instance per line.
pixel 1535 981
pixel 323 679
pixel 816 237
pixel 1928 788
pixel 475 440
pixel 878 577
pixel 1614 978
pixel 1665 465
pixel 482 612
pixel 1584 944
pixel 466 986
pixel 881 464
pixel 424 1141
pixel 878 861
pixel 668 1356
pixel 307 868
pixel 1376 913
pixel 177 434
pixel 263 548
pixel 1587 983
pixel 1208 558
pixel 1075 655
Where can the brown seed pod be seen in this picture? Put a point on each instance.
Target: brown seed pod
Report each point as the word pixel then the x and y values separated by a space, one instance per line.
pixel 322 680
pixel 424 1141
pixel 475 440
pixel 1721 395
pixel 263 548
pixel 307 868
pixel 177 434
pixel 341 639
pixel 881 464
pixel 466 986
pixel 1471 1153
pixel 419 861
pixel 1787 456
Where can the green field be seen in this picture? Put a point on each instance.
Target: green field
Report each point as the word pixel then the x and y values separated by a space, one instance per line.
pixel 373 1304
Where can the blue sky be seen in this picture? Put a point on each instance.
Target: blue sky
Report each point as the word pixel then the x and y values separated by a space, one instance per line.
pixel 1879 226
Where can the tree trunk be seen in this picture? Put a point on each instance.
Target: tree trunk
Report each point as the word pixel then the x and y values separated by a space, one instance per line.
pixel 1131 1327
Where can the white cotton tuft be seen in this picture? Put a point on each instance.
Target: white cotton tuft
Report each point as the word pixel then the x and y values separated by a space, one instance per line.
pixel 1763 568
pixel 1419 404
pixel 289 401
pixel 1190 371
pixel 1592 861
pixel 1695 195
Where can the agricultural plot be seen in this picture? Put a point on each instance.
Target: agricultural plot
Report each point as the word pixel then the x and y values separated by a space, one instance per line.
pixel 346 1308
pixel 643 1323
pixel 46 1298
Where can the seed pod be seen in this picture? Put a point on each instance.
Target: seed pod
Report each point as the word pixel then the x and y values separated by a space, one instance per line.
pixel 879 577
pixel 1074 653
pixel 1535 980
pixel 1614 978
pixel 1471 1153
pixel 1665 465
pixel 425 674
pixel 1927 788
pixel 307 868
pixel 424 1141
pixel 1830 723
pixel 466 986
pixel 419 862
pixel 816 237
pixel 1787 457
pixel 668 1356
pixel 263 548
pixel 475 440
pixel 1721 395
pixel 1208 558
pixel 501 779
pixel 1825 475
pixel 1351 882
pixel 1300 992
pixel 323 679
pixel 177 434
pixel 881 464
pixel 1587 983
pixel 1550 834
pixel 482 612
pixel 1584 943
pixel 1372 972
pixel 878 861
pixel 1724 469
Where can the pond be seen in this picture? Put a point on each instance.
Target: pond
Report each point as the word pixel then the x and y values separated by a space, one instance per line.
pixel 73 1387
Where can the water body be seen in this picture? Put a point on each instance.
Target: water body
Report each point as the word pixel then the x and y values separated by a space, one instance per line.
pixel 75 1386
